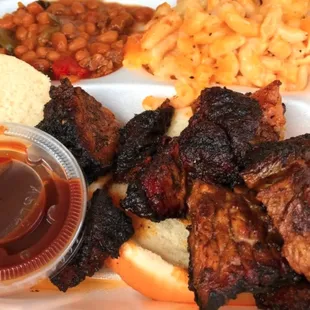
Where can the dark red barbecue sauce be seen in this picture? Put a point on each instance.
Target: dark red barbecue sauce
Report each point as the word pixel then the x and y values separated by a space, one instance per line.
pixel 34 204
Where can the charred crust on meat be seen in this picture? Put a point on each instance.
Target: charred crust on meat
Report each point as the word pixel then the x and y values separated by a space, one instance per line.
pixel 204 144
pixel 159 192
pixel 271 157
pixel 223 129
pixel 237 114
pixel 139 140
pixel 106 228
pixel 289 297
pixel 84 126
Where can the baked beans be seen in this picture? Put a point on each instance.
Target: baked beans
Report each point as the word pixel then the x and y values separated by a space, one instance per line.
pixel 72 38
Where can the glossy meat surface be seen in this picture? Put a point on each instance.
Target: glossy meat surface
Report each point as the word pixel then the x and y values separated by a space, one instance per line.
pixel 106 228
pixel 84 126
pixel 159 191
pixel 231 247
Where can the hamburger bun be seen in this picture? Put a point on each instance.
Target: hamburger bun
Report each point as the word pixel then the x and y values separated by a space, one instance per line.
pixel 24 92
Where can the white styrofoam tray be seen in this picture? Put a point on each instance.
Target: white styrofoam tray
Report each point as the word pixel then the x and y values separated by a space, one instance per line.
pixel 123 92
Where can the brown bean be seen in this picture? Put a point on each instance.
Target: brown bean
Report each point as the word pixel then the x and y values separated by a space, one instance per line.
pixel 34 8
pixel 21 33
pixel 52 55
pixel 29 56
pixel 2 51
pixel 108 37
pixel 41 64
pixel 6 22
pixel 81 54
pixel 77 8
pixel 31 35
pixel 56 8
pixel 42 51
pixel 92 4
pixel 30 43
pixel 59 41
pixel 27 20
pixel 92 17
pixel 34 28
pixel 84 35
pixel 68 29
pixel 81 27
pixel 118 44
pixel 99 48
pixel 96 62
pixel 77 44
pixel 20 50
pixel 43 18
pixel 17 20
pixel 90 28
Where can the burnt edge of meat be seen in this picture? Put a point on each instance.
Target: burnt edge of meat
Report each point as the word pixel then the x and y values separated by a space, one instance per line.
pixel 235 264
pixel 223 129
pixel 238 115
pixel 106 228
pixel 159 191
pixel 261 162
pixel 291 297
pixel 139 140
pixel 59 121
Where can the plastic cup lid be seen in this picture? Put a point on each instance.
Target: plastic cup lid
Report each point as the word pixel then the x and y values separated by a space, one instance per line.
pixel 43 202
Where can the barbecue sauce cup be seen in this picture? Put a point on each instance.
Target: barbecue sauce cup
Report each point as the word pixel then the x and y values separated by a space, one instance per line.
pixel 43 202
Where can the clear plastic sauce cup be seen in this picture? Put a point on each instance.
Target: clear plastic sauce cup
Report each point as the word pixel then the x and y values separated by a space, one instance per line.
pixel 43 202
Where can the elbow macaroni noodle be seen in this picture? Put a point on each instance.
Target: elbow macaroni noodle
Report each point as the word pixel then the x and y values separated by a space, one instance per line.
pixel 238 42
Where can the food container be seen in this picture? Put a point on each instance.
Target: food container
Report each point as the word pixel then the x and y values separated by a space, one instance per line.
pixel 43 201
pixel 123 92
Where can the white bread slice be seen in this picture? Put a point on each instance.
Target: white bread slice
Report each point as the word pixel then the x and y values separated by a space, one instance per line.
pixel 23 92
pixel 179 121
pixel 167 238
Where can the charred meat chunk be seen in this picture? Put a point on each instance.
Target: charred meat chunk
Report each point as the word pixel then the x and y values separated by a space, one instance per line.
pixel 139 140
pixel 281 175
pixel 206 153
pixel 239 116
pixel 224 127
pixel 231 250
pixel 292 297
pixel 159 191
pixel 84 126
pixel 106 228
